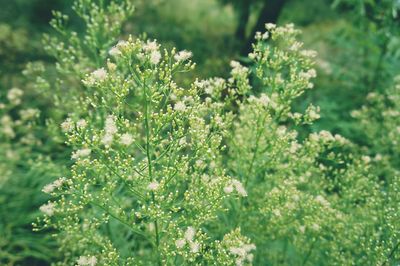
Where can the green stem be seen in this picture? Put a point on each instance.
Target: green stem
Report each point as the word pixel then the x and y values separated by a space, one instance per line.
pixel 149 161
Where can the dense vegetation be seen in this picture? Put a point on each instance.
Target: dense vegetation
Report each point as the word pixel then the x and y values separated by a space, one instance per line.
pixel 204 132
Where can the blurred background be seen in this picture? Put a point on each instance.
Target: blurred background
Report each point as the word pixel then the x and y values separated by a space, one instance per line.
pixel 358 52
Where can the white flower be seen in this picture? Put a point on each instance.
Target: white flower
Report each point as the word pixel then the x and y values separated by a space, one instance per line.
pixel 239 188
pixel 48 208
pixel 182 56
pixel 321 200
pixel 228 189
pixel 180 106
pixel 29 113
pixel 180 243
pixel 150 46
pixel 366 159
pixel 107 139
pixel 190 233
pixel 270 26
pixel 82 260
pixel 81 153
pixel 153 186
pixel 264 99
pixel 67 125
pixel 14 96
pixel 238 69
pixel 48 188
pixel 126 139
pixel 90 261
pixel 114 51
pixel 110 126
pixel 265 35
pixel 99 74
pixel 155 57
pixel 194 247
pixel 52 186
pixel 81 123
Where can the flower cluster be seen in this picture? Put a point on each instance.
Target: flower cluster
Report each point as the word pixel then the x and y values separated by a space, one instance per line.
pixel 166 174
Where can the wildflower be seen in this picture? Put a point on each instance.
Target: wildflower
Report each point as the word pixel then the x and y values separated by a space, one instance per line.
pixel 239 188
pixel 114 51
pixel 14 96
pixel 111 66
pixel 180 106
pixel 180 243
pixel 126 139
pixel 321 200
pixel 99 74
pixel 190 233
pixel 242 252
pixel 182 56
pixel 265 35
pixel 29 113
pixel 52 186
pixel 48 208
pixel 228 189
pixel 48 188
pixel 153 186
pixel 194 247
pixel 107 139
pixel 155 57
pixel 110 126
pixel 238 69
pixel 366 159
pixel 90 261
pixel 270 26
pixel 67 125
pixel 264 99
pixel 81 153
pixel 150 46
pixel 82 123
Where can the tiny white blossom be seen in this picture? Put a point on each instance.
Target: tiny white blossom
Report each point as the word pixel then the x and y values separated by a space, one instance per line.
pixel 190 233
pixel 48 188
pixel 194 247
pixel 126 139
pixel 81 123
pixel 180 243
pixel 182 56
pixel 180 106
pixel 155 57
pixel 110 126
pixel 99 74
pixel 107 139
pixel 67 125
pixel 14 96
pixel 150 46
pixel 29 113
pixel 270 26
pixel 89 261
pixel 153 186
pixel 92 261
pixel 48 208
pixel 239 188
pixel 228 189
pixel 114 51
pixel 81 153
